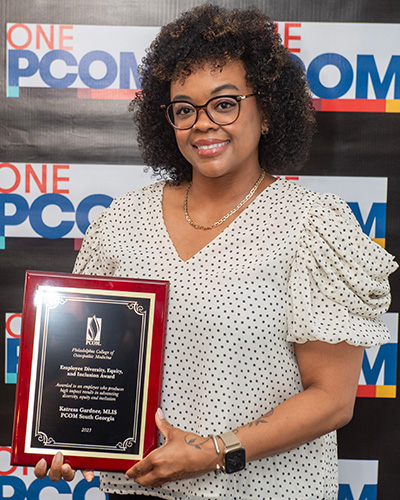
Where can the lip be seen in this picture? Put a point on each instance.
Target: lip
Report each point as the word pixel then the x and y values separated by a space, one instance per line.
pixel 209 147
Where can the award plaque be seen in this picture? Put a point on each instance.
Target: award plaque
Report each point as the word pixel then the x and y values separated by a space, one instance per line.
pixel 90 370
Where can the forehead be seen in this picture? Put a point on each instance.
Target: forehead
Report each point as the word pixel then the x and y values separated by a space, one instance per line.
pixel 207 79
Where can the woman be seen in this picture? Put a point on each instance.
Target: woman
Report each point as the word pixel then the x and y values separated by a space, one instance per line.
pixel 275 290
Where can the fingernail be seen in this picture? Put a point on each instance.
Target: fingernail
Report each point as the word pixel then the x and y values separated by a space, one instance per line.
pixel 127 477
pixel 42 463
pixel 160 413
pixel 58 457
pixel 89 477
pixel 65 468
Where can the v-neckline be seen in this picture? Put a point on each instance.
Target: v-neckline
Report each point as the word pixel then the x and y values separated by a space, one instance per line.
pixel 212 242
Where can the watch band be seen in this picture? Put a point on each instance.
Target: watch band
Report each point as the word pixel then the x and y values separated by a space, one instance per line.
pixel 230 440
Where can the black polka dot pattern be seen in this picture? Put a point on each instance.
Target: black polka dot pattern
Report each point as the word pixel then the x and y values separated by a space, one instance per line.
pixel 294 266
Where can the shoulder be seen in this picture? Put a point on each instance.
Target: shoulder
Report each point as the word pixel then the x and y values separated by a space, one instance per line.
pixel 135 204
pixel 135 200
pixel 146 192
pixel 312 203
pixel 290 190
pixel 126 215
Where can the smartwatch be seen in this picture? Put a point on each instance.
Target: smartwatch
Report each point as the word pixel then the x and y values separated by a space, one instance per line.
pixel 234 455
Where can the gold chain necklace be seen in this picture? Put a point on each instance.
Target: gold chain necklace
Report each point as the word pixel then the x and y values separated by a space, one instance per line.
pixel 226 216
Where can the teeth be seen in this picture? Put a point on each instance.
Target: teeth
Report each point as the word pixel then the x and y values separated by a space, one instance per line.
pixel 211 146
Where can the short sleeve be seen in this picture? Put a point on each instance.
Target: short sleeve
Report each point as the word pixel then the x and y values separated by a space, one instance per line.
pixel 90 259
pixel 338 285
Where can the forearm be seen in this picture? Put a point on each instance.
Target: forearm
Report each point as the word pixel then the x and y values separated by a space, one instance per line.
pixel 329 374
pixel 298 420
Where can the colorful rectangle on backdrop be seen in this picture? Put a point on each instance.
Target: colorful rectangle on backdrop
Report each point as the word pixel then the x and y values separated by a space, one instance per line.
pixel 59 201
pixel 351 67
pixel 358 479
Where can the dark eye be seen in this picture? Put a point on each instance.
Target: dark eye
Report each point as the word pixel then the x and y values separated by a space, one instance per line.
pixel 182 109
pixel 225 105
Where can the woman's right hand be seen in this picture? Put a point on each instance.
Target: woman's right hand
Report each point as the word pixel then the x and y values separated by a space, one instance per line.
pixel 59 470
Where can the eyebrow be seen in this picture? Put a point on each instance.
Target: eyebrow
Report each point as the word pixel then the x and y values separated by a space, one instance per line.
pixel 225 86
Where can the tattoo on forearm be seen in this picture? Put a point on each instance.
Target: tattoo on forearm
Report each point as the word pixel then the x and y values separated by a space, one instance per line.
pixel 258 421
pixel 196 441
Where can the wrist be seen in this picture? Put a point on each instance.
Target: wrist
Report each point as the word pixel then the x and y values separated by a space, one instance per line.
pixel 218 446
pixel 233 453
pixel 221 445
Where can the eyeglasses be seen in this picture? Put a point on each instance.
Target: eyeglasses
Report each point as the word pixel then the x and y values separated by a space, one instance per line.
pixel 222 110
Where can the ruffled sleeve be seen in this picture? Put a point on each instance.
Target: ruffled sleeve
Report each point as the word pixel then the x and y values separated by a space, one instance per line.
pixel 338 285
pixel 90 259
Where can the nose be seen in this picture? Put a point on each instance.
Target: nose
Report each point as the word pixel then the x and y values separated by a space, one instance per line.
pixel 203 121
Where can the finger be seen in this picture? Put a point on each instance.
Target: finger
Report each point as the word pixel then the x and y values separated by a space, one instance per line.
pixel 55 469
pixel 138 470
pixel 149 480
pixel 59 470
pixel 162 424
pixel 67 472
pixel 158 484
pixel 88 475
pixel 40 469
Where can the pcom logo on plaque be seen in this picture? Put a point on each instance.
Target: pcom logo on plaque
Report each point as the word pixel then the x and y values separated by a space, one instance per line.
pixel 93 330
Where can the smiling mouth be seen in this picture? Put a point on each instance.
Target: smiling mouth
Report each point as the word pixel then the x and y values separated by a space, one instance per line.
pixel 213 146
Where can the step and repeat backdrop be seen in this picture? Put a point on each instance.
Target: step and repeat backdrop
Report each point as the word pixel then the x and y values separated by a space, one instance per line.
pixel 67 148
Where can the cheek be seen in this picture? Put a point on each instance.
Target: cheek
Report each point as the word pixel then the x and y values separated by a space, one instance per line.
pixel 251 122
pixel 182 137
pixel 251 132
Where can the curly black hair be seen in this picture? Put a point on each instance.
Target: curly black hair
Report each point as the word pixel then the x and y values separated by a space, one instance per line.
pixel 210 34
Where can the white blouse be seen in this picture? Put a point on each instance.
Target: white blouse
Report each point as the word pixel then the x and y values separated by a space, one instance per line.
pixel 293 266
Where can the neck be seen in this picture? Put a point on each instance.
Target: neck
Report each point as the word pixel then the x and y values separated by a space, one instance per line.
pixel 213 208
pixel 223 189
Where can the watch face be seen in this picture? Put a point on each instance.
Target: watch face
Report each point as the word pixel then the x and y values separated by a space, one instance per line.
pixel 235 460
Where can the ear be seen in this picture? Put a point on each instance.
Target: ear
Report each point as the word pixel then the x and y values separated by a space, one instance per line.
pixel 264 127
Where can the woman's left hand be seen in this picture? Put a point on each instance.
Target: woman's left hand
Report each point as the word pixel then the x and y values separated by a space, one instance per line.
pixel 183 455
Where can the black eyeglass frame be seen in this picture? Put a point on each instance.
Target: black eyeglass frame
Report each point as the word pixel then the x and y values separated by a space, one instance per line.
pixel 238 98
